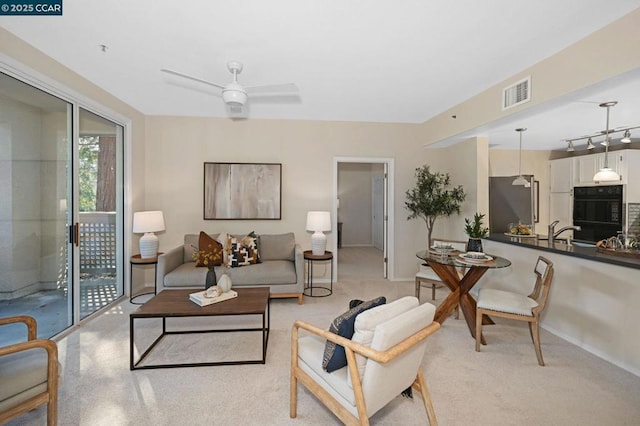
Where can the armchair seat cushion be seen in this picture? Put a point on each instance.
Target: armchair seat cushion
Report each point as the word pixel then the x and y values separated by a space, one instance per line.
pixel 24 375
pixel 505 301
pixel 310 351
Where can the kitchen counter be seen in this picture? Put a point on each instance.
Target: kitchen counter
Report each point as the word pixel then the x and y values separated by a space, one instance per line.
pixel 590 253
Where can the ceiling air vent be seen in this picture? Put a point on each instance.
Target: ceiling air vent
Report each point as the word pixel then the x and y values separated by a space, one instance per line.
pixel 516 94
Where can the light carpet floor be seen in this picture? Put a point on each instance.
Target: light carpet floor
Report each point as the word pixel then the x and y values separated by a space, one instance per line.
pixel 502 385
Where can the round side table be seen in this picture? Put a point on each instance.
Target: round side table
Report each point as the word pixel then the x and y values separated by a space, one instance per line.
pixel 137 260
pixel 310 258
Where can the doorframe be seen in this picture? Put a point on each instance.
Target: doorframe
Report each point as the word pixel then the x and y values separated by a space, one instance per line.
pixel 390 162
pixel 37 79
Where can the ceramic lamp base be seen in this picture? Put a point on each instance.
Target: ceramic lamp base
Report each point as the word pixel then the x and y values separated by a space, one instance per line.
pixel 318 243
pixel 149 245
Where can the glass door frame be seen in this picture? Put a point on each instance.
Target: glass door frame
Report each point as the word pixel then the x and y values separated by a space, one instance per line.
pixel 19 71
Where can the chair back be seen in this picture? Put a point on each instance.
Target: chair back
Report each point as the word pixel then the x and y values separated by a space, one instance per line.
pixel 544 276
pixel 383 382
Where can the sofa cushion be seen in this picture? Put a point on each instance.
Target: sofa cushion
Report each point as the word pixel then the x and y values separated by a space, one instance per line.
pixel 191 244
pixel 335 356
pixel 243 251
pixel 209 250
pixel 278 246
pixel 272 272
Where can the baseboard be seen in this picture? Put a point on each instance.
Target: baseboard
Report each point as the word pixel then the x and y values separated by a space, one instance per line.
pixel 592 350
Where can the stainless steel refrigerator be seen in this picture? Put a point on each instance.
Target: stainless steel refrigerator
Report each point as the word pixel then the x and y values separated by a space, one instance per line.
pixel 510 203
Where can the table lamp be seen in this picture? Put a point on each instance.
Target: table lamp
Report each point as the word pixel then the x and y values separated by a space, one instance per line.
pixel 318 222
pixel 147 223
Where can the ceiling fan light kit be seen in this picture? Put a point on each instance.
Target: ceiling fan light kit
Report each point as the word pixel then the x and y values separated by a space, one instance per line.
pixel 234 95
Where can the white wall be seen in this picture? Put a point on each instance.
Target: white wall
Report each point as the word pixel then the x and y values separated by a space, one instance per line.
pixel 177 147
pixel 591 304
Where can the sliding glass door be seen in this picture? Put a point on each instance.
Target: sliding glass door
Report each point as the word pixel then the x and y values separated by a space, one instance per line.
pixel 99 201
pixel 60 247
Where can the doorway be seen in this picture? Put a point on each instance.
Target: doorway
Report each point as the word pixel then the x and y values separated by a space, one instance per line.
pixel 362 211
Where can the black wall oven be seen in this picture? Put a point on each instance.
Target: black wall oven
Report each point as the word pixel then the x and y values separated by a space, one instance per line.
pixel 598 211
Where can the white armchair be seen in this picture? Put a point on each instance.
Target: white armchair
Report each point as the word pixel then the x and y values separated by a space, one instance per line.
pixel 377 372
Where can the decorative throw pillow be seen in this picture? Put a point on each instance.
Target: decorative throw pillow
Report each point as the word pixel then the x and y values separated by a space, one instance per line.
pixel 243 251
pixel 335 356
pixel 210 246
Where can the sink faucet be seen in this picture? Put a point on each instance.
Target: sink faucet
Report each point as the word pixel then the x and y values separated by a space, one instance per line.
pixel 553 234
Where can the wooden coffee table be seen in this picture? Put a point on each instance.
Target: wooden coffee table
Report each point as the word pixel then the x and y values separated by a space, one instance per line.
pixel 176 304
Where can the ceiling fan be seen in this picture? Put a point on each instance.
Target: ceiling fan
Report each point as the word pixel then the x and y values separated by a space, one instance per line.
pixel 235 95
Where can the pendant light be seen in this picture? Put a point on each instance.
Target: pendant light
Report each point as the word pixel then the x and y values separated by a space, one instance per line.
pixel 520 180
pixel 606 174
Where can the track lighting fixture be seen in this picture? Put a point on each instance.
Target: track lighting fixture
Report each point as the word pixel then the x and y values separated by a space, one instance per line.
pixel 627 137
pixel 608 133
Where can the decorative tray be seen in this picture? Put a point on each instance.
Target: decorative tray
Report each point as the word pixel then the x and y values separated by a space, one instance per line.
pixel 474 257
pixel 601 247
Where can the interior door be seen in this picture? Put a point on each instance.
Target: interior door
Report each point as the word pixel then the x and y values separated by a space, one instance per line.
pixel 385 221
pixel 377 211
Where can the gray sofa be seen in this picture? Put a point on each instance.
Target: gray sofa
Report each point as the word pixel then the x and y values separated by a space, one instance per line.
pixel 281 269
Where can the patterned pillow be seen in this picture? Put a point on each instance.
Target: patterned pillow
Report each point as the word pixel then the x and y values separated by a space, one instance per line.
pixel 211 245
pixel 243 251
pixel 335 356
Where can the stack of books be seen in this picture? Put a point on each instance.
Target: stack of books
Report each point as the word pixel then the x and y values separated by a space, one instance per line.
pixel 200 299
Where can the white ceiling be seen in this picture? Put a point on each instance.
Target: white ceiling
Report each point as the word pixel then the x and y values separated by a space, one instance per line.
pixel 369 61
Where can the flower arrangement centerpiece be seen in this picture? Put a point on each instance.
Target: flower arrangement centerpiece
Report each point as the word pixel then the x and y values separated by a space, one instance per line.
pixel 208 258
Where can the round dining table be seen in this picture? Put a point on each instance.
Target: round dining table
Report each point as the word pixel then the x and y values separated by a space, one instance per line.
pixel 460 276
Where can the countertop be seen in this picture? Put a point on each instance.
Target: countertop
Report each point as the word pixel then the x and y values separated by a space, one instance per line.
pixel 590 253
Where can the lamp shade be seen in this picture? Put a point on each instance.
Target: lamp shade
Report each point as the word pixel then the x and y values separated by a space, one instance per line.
pixel 151 221
pixel 148 223
pixel 318 221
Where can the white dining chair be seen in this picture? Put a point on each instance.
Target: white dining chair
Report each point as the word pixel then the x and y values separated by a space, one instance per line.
pixel 516 306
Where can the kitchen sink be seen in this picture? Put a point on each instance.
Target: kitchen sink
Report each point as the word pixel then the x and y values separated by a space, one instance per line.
pixel 581 244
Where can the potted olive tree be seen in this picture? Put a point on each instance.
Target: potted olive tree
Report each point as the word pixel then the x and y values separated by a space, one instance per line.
pixel 431 197
pixel 474 229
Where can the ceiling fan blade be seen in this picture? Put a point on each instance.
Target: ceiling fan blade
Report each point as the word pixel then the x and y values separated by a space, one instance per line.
pixel 288 87
pixel 179 74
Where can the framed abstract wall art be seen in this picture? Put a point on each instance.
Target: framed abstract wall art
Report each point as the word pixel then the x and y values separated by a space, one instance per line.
pixel 242 191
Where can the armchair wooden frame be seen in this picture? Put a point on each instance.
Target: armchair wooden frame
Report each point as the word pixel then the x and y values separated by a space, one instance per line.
pixel 540 294
pixel 351 348
pixel 50 396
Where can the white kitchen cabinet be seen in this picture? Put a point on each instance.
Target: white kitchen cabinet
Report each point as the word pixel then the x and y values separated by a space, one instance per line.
pixel 561 208
pixel 586 166
pixel 561 181
pixel 561 175
pixel 630 172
